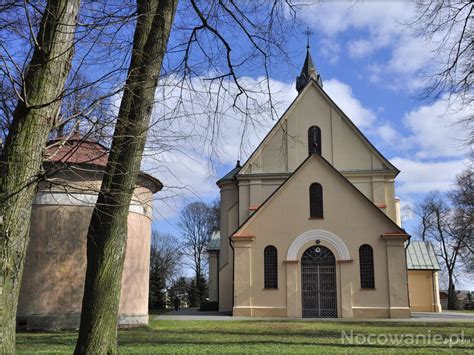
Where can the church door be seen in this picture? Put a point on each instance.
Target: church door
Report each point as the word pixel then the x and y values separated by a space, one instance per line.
pixel 318 280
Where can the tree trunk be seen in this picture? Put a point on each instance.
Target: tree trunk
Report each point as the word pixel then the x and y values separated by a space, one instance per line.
pixel 107 235
pixel 452 297
pixel 22 156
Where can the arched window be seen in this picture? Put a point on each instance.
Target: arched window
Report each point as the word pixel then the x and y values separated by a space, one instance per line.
pixel 366 260
pixel 316 200
pixel 314 140
pixel 270 259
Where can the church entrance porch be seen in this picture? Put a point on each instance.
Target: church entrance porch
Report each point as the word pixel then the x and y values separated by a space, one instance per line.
pixel 318 280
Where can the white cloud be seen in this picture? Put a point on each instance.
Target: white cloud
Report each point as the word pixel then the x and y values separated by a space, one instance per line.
pixel 409 55
pixel 373 26
pixel 343 96
pixel 333 18
pixel 387 133
pixel 361 48
pixel 420 177
pixel 436 130
pixel 329 50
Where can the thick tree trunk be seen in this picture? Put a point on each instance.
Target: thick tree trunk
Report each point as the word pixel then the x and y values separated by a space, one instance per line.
pixel 107 235
pixel 22 156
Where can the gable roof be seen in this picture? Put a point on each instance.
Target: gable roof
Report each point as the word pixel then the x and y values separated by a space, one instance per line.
pixel 421 256
pixel 332 168
pixel 313 83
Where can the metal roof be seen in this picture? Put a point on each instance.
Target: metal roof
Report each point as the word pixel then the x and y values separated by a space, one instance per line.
pixel 421 256
pixel 231 174
pixel 215 242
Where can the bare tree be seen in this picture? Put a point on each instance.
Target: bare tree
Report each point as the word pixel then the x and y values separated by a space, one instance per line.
pixel 448 224
pixel 216 214
pixel 164 260
pixel 196 224
pixel 462 199
pixel 449 23
pixel 31 121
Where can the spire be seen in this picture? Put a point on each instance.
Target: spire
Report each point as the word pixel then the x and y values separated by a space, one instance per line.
pixel 309 71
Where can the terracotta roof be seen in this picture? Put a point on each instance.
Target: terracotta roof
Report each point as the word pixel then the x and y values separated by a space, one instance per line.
pixel 77 150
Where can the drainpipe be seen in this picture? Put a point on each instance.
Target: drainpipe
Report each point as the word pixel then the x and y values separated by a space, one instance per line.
pixel 233 270
pixel 408 290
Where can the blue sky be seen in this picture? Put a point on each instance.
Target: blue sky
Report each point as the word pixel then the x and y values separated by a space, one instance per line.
pixel 371 65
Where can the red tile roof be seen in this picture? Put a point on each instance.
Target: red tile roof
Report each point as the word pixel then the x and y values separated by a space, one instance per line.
pixel 76 150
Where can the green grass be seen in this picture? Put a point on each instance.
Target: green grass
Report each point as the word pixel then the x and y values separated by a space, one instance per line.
pixel 257 336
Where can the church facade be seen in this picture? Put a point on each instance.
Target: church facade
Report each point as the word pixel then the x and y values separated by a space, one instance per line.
pixel 310 225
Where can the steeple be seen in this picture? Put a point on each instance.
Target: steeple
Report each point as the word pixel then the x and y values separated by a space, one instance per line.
pixel 309 71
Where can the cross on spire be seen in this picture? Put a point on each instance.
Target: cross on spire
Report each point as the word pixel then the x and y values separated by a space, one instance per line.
pixel 308 34
pixel 308 71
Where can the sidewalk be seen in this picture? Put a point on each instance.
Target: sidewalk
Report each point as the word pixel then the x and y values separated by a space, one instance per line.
pixel 421 317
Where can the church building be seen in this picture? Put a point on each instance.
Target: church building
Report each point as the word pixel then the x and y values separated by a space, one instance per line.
pixel 310 225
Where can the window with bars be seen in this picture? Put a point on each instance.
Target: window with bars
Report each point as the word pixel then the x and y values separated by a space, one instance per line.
pixel 271 267
pixel 314 140
pixel 366 260
pixel 316 200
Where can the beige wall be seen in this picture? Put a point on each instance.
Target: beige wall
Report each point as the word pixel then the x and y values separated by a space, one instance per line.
pixel 286 216
pixel 229 222
pixel 286 147
pixel 53 280
pixel 424 291
pixel 213 276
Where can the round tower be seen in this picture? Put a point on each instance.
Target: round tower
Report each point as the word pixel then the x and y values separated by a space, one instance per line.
pixel 55 266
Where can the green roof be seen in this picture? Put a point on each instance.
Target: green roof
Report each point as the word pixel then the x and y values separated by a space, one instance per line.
pixel 215 242
pixel 231 174
pixel 421 256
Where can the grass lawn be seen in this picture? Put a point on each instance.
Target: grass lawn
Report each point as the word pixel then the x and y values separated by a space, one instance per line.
pixel 261 336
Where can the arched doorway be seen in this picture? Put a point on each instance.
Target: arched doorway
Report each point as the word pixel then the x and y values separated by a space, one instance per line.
pixel 318 283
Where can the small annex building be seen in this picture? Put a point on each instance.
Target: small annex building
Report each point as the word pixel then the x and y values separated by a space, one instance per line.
pixel 423 286
pixel 310 225
pixel 55 266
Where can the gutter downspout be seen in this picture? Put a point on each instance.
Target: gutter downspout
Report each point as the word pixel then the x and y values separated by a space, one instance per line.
pixel 408 286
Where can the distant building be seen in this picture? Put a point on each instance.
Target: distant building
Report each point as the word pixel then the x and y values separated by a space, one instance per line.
pixel 53 278
pixel 461 295
pixel 310 225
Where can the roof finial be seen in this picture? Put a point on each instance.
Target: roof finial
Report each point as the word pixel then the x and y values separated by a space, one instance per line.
pixel 308 34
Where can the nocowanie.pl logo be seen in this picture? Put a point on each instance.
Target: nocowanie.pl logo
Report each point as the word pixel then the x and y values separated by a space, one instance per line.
pixel 427 338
